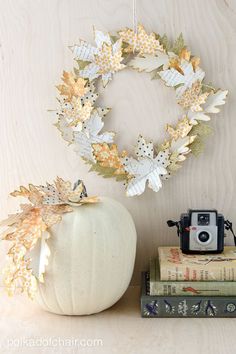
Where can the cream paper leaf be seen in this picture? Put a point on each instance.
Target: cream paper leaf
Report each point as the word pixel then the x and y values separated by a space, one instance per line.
pixel 148 63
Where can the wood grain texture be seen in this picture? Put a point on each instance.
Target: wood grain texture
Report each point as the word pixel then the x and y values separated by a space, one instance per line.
pixel 34 35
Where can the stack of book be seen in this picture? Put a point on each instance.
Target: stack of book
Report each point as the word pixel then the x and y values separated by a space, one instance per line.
pixel 180 285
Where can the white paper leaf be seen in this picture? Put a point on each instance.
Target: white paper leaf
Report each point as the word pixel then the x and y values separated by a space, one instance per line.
pixel 144 170
pixel 101 38
pixel 149 63
pixel 83 51
pixel 215 100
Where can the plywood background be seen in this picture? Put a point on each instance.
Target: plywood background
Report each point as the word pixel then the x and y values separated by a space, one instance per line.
pixel 34 36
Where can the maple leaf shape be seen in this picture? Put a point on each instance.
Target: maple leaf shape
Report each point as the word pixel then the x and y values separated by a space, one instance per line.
pixel 73 86
pixel 108 156
pixel 140 42
pixel 145 169
pixel 211 106
pixel 103 60
pixel 184 80
pixel 193 98
pixel 181 130
pixel 90 135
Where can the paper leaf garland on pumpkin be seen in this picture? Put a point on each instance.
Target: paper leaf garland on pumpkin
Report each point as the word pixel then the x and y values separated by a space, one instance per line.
pixel 26 229
pixel 80 120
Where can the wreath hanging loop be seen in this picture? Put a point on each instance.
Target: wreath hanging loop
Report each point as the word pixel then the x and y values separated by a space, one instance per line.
pixel 80 120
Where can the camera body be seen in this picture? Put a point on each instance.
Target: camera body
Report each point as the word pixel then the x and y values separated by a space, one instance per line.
pixel 201 231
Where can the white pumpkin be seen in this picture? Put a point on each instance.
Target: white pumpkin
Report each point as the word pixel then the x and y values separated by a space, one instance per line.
pixel 92 258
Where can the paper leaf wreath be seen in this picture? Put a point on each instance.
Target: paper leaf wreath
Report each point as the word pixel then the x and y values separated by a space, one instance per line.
pixel 80 120
pixel 30 227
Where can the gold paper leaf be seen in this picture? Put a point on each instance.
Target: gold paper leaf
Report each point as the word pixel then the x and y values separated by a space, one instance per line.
pixel 73 86
pixel 108 156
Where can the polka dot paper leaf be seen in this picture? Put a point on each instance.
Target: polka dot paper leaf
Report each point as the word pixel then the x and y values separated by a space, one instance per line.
pixel 104 60
pixel 184 80
pixel 146 168
pixel 211 105
pixel 175 65
pixel 81 112
pixel 140 42
pixel 27 230
pixel 90 135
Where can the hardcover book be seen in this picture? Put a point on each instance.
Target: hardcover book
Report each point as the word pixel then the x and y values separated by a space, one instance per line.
pixel 176 266
pixel 185 306
pixel 187 288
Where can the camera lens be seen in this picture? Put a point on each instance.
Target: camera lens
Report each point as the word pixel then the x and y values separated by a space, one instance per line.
pixel 203 219
pixel 203 236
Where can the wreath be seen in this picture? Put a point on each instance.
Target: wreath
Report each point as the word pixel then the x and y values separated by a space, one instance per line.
pixel 80 120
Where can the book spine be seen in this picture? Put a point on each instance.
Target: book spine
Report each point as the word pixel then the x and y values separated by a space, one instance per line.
pixel 197 272
pixel 186 306
pixel 184 269
pixel 194 288
pixel 187 288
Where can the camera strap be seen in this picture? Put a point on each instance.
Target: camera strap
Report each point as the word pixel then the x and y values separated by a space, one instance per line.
pixel 229 226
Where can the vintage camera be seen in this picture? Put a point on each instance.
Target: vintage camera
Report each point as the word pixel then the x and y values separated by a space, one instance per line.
pixel 202 231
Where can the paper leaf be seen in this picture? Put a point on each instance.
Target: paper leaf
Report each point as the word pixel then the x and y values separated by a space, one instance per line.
pixel 215 100
pixel 145 169
pixel 202 129
pixel 104 60
pixel 173 78
pixel 182 128
pixel 65 129
pixel 108 156
pixel 90 135
pixel 192 98
pixel 83 51
pixel 149 63
pixel 178 44
pixel 142 42
pixel 73 86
